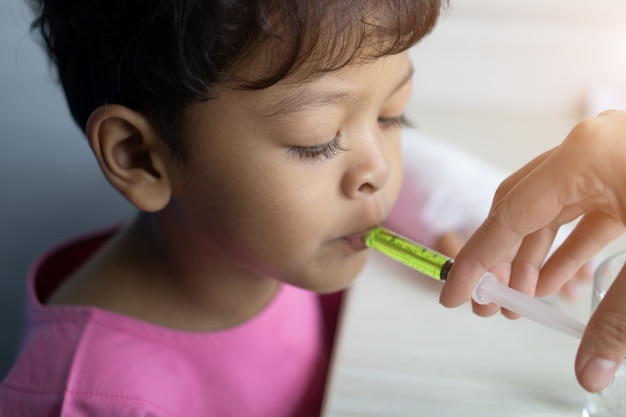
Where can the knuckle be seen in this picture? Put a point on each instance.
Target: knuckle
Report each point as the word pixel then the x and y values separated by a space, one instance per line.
pixel 592 132
pixel 610 328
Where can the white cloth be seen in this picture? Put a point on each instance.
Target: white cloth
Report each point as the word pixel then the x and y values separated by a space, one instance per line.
pixel 445 188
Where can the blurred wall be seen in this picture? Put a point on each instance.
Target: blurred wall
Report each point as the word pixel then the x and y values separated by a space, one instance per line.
pixel 505 79
pixel 509 79
pixel 50 185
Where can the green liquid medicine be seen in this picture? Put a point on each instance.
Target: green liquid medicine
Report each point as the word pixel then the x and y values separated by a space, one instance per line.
pixel 414 255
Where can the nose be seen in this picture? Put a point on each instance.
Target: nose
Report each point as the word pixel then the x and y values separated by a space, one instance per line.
pixel 369 167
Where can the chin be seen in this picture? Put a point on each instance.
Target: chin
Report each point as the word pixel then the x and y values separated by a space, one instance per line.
pixel 340 278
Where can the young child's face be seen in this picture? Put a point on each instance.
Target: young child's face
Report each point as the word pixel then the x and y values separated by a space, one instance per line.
pixel 284 181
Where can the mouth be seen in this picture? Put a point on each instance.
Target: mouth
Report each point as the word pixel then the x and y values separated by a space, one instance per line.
pixel 357 241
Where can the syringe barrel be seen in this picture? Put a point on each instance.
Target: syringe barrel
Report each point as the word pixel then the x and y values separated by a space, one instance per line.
pixel 489 290
pixel 412 254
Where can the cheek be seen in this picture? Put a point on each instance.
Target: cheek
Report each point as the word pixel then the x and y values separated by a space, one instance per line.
pixel 393 186
pixel 294 213
pixel 269 214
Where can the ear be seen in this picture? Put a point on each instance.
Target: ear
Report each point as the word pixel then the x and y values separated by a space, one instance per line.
pixel 132 156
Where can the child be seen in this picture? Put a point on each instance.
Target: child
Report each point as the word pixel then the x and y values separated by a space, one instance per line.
pixel 259 141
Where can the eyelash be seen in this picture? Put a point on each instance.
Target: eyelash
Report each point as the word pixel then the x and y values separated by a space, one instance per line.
pixel 395 122
pixel 325 151
pixel 333 148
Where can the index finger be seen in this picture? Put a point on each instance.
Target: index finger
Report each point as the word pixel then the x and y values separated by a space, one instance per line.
pixel 534 202
pixel 603 345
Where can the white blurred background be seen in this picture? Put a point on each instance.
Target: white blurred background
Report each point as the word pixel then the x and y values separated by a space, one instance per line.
pixel 508 79
pixel 504 79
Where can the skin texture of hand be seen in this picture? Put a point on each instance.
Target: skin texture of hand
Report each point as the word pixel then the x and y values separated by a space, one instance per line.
pixel 450 243
pixel 583 178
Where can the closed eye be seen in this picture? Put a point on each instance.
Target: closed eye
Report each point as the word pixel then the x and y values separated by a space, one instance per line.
pixel 324 151
pixel 333 148
pixel 394 122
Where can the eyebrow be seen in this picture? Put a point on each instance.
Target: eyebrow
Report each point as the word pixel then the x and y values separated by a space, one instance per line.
pixel 306 98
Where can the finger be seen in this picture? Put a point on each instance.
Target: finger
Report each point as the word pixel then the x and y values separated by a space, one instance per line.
pixel 502 271
pixel 530 205
pixel 571 289
pixel 485 310
pixel 584 274
pixel 592 233
pixel 490 243
pixel 518 175
pixel 449 244
pixel 550 193
pixel 527 264
pixel 603 346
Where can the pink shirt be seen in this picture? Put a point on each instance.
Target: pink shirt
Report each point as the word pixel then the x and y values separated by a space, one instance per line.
pixel 84 361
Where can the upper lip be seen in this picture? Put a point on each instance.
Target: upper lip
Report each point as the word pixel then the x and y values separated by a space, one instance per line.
pixel 373 216
pixel 360 234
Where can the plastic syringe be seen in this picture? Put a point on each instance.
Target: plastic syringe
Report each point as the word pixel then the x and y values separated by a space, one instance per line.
pixel 488 290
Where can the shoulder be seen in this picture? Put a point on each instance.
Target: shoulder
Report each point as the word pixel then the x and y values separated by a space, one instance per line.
pixel 75 367
pixel 76 404
pixel 61 371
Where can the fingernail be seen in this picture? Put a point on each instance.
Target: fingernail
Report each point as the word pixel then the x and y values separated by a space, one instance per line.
pixel 597 373
pixel 573 291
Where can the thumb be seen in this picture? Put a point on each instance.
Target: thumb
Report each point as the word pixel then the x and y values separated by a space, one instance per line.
pixel 603 346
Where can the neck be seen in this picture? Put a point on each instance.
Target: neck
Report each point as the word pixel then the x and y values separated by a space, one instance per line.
pixel 167 276
pixel 200 291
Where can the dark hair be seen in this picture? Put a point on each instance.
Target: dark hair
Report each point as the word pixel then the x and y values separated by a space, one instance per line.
pixel 158 56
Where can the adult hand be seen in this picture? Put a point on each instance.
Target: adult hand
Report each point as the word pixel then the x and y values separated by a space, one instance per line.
pixel 585 178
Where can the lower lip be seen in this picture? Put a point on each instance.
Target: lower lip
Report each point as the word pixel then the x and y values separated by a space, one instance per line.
pixel 356 243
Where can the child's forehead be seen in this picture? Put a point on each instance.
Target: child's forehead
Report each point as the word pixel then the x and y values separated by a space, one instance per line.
pixel 345 87
pixel 306 107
